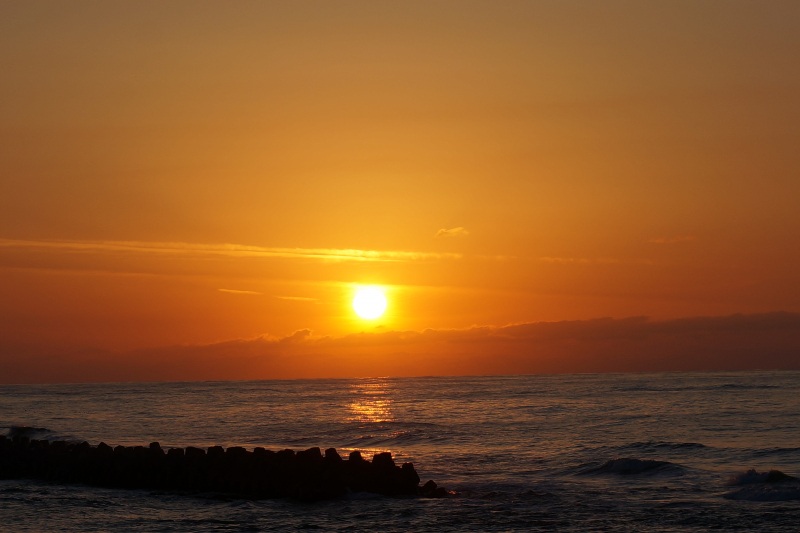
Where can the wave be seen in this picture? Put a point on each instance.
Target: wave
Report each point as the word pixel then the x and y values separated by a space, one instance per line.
pixel 770 452
pixel 628 466
pixel 772 486
pixel 394 439
pixel 663 445
pixel 28 432
pixel 745 386
pixel 35 433
pixel 752 476
pixel 710 387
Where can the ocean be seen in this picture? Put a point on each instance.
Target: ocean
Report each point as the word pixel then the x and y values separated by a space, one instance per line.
pixel 600 452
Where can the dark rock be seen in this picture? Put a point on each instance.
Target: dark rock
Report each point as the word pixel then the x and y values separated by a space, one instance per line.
pixel 383 460
pixel 312 455
pixel 216 452
pixel 235 452
pixel 285 454
pixel 332 455
pixel 306 475
pixel 409 475
pixel 355 456
pixel 156 450
pixel 431 490
pixel 191 451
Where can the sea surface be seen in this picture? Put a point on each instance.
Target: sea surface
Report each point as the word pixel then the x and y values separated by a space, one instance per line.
pixel 610 452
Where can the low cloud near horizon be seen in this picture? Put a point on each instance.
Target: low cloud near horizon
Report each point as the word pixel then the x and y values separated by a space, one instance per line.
pixel 635 344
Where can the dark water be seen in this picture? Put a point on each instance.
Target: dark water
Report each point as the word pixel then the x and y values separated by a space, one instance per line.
pixel 657 452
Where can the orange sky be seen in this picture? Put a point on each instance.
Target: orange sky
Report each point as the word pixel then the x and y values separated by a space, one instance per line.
pixel 185 175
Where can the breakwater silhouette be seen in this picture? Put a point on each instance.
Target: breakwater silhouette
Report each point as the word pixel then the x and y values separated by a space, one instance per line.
pixel 305 475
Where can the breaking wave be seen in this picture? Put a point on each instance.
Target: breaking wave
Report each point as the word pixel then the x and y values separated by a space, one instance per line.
pixel 772 486
pixel 752 477
pixel 29 432
pixel 628 466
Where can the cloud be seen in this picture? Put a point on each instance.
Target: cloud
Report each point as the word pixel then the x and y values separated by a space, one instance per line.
pixel 231 250
pixel 297 298
pixel 634 344
pixel 298 336
pixel 236 291
pixel 594 260
pixel 565 260
pixel 452 232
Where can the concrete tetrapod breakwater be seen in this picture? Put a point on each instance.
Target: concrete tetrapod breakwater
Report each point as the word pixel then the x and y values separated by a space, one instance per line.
pixel 305 475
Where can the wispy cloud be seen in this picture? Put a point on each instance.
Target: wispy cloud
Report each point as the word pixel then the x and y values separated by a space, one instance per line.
pixel 227 249
pixel 565 260
pixel 236 291
pixel 297 298
pixel 452 232
pixel 581 260
pixel 595 260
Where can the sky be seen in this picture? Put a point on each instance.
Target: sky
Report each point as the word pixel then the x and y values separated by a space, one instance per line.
pixel 195 189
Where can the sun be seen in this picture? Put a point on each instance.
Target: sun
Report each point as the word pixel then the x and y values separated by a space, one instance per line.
pixel 369 302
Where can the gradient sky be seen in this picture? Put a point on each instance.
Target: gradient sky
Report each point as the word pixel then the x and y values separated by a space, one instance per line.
pixel 191 177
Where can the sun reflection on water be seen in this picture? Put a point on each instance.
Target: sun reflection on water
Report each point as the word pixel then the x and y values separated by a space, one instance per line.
pixel 371 401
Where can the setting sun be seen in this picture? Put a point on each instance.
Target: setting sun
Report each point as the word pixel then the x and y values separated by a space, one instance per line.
pixel 369 303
